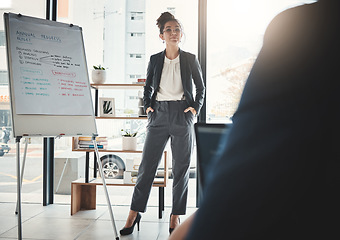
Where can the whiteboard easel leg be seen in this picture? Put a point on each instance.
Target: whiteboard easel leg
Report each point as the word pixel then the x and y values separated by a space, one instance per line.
pixel 105 187
pixel 19 189
pixel 61 176
pixel 22 170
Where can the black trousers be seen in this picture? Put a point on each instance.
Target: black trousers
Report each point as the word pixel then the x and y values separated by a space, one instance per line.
pixel 167 121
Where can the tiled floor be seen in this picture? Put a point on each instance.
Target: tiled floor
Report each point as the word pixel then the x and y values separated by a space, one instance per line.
pixel 55 222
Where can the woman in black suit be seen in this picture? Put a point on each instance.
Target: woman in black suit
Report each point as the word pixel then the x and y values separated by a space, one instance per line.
pixel 171 108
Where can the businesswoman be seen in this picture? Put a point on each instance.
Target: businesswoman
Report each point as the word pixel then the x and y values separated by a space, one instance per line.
pixel 171 107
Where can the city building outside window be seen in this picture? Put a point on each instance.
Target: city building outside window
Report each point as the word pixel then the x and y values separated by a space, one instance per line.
pixel 133 55
pixel 137 16
pixel 3 78
pixel 136 34
pixel 2 38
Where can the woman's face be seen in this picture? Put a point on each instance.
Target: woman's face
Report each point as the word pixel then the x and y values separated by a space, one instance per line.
pixel 172 33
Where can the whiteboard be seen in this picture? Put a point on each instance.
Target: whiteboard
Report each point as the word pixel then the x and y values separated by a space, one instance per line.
pixel 48 78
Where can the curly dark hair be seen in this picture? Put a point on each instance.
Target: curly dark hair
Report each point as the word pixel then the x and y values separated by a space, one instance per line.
pixel 164 18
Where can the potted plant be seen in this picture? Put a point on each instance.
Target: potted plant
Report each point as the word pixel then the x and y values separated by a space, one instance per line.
pixel 129 140
pixel 98 74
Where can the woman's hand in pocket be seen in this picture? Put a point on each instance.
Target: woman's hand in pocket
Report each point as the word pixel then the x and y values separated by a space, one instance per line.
pixel 191 109
pixel 149 109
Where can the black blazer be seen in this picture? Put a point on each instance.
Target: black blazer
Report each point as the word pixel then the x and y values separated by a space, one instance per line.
pixel 190 70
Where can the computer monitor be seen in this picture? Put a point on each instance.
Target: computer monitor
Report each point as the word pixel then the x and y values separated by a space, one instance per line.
pixel 208 136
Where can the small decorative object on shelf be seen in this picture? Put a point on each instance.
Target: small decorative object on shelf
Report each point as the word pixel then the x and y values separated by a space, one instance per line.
pixel 130 177
pixel 141 111
pixel 131 170
pixel 140 81
pixel 107 107
pixel 129 140
pixel 98 74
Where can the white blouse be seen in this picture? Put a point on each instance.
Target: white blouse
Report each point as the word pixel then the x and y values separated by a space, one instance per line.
pixel 170 86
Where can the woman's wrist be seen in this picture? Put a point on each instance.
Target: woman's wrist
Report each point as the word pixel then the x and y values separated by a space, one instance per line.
pixel 148 110
pixel 194 111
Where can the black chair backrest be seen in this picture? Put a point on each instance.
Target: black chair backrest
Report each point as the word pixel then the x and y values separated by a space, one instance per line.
pixel 208 136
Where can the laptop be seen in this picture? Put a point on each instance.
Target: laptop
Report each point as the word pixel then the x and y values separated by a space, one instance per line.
pixel 208 136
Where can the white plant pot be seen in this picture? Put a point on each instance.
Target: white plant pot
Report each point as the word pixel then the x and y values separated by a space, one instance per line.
pixel 129 143
pixel 98 76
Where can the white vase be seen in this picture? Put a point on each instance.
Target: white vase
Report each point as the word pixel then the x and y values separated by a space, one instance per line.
pixel 129 143
pixel 98 76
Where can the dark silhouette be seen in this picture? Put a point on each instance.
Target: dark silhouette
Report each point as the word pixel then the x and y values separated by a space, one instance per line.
pixel 279 175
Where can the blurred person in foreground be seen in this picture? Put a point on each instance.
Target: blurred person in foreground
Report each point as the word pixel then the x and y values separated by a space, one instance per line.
pixel 278 177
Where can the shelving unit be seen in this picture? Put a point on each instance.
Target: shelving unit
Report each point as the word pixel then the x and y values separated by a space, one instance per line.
pixel 83 194
pixel 83 191
pixel 97 87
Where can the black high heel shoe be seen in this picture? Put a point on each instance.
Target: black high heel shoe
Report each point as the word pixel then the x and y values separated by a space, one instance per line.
pixel 172 229
pixel 129 230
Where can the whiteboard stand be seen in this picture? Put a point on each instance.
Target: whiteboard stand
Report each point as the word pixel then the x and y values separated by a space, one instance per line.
pixel 18 189
pixel 62 173
pixel 104 185
pixel 27 140
pixel 36 109
pixel 61 176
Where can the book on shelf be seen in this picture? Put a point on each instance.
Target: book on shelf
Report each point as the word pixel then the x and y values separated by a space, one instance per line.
pixel 90 139
pixel 158 180
pixel 86 142
pixel 141 83
pixel 82 142
pixel 91 146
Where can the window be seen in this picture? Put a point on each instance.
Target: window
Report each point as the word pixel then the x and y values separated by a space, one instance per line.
pixel 33 169
pixel 5 4
pixel 2 38
pixel 235 29
pixel 121 35
pixel 135 34
pixel 172 10
pixel 137 16
pixel 133 55
pixel 3 78
pixel 134 76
